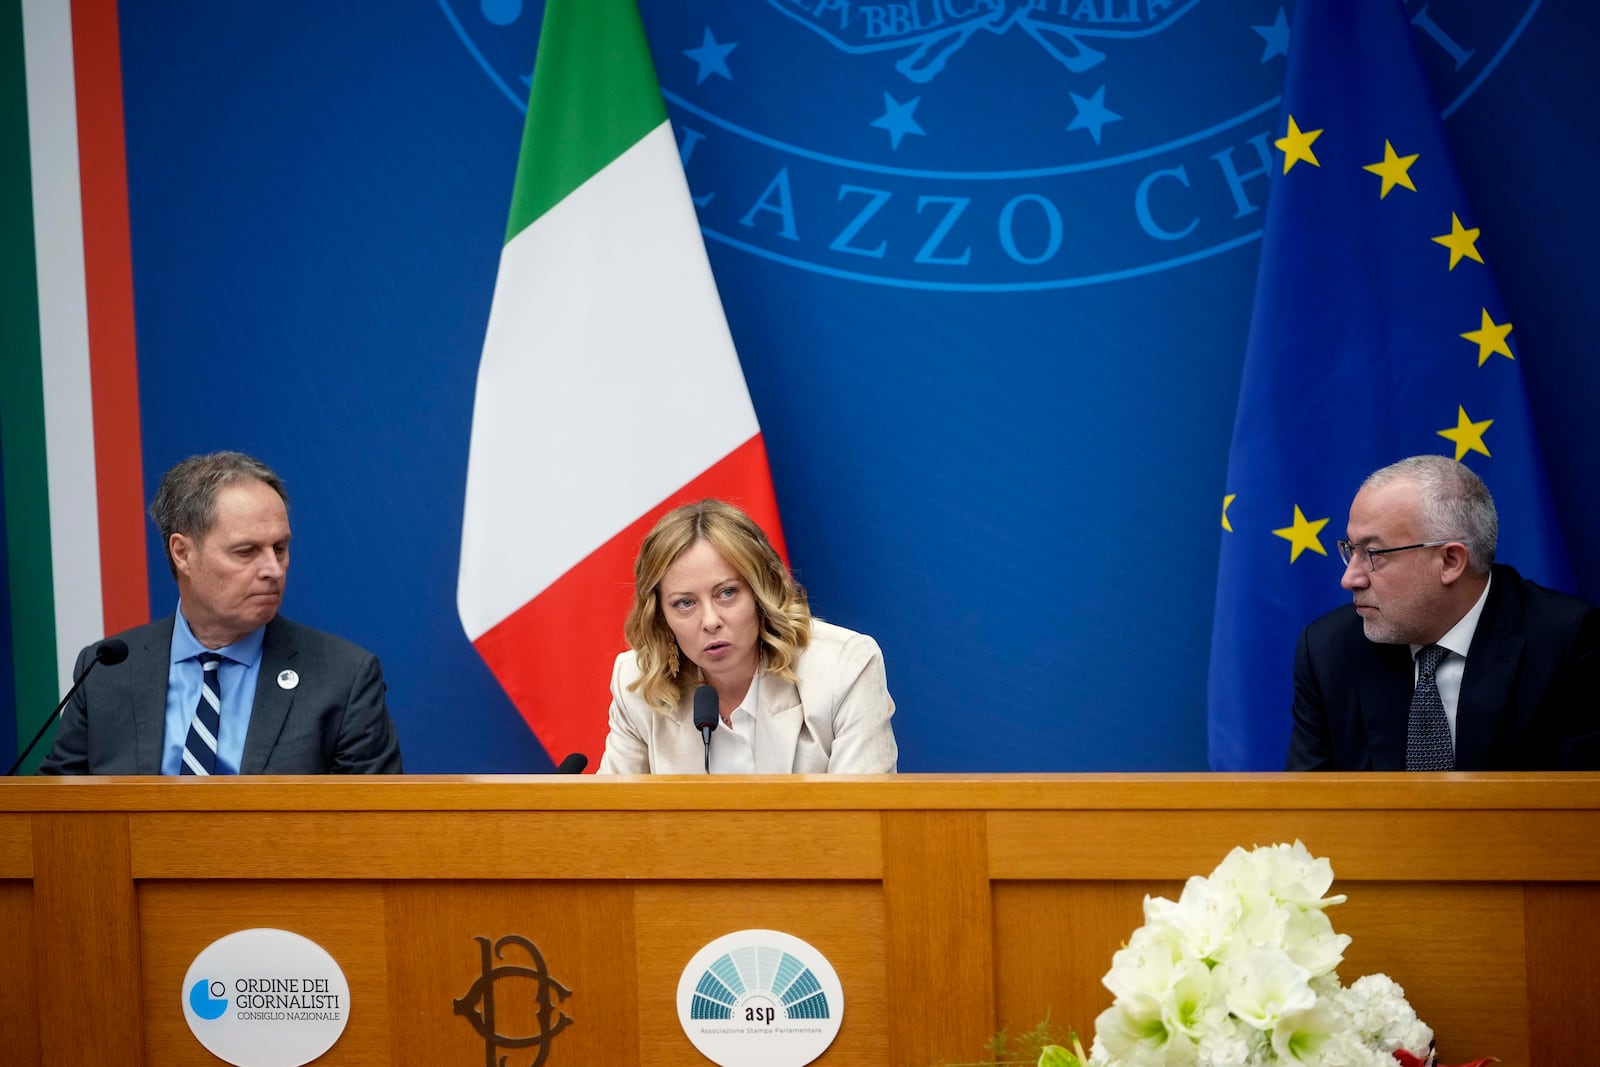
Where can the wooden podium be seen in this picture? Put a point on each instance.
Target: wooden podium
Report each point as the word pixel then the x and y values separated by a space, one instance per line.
pixel 949 905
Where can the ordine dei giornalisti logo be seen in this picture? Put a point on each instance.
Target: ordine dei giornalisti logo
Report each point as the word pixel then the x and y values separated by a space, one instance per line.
pixel 979 145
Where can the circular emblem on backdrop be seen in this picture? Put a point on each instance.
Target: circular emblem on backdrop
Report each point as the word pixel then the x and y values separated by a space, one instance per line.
pixel 983 145
pixel 760 997
pixel 265 998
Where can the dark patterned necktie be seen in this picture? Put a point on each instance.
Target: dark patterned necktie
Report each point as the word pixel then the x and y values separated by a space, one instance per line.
pixel 200 747
pixel 1428 744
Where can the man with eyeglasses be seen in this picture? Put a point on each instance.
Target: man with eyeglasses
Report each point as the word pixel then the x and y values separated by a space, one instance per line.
pixel 1445 660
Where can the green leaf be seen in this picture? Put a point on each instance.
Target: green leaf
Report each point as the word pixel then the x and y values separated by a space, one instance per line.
pixel 1056 1056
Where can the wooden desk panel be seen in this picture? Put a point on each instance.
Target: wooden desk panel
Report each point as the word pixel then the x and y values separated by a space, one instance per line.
pixel 950 905
pixel 19 981
pixel 584 932
pixel 179 919
pixel 16 846
pixel 1457 845
pixel 520 845
pixel 844 921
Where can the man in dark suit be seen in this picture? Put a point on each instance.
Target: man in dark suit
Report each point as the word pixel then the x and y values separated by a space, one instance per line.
pixel 1445 660
pixel 226 686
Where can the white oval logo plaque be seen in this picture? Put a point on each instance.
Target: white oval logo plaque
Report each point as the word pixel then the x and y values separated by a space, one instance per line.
pixel 760 998
pixel 266 998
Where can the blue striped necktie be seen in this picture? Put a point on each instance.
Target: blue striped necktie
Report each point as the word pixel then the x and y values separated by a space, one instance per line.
pixel 200 747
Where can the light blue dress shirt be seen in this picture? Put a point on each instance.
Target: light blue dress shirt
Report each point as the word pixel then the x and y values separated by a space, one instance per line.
pixel 236 675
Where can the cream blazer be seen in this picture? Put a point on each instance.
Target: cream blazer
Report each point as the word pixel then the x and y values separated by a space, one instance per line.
pixel 836 721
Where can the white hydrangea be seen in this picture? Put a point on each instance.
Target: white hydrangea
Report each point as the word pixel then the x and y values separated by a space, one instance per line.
pixel 1230 1043
pixel 1378 1011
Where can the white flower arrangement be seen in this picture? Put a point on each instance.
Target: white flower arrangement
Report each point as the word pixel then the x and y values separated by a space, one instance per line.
pixel 1240 972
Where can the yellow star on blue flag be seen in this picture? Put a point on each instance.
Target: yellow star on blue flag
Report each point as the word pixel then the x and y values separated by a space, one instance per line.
pixel 1302 535
pixel 1357 357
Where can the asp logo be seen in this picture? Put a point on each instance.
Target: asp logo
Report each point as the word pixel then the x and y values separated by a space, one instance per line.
pixel 208 999
pixel 760 996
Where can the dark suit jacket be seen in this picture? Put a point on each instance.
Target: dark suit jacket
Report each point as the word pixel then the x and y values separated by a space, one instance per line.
pixel 1530 696
pixel 334 721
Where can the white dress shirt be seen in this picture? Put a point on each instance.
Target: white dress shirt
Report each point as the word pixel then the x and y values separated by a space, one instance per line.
pixel 733 744
pixel 1453 667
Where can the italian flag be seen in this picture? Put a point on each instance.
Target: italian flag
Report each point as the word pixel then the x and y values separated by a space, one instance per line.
pixel 609 390
pixel 71 489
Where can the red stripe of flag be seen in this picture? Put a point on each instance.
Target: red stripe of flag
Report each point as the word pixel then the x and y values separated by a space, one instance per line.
pixel 108 277
pixel 553 656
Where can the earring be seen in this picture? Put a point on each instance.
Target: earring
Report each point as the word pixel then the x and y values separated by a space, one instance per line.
pixel 672 661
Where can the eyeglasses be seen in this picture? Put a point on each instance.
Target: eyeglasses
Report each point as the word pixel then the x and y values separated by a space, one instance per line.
pixel 1369 556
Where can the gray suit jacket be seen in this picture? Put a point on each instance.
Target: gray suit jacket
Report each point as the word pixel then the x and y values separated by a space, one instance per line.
pixel 334 721
pixel 836 721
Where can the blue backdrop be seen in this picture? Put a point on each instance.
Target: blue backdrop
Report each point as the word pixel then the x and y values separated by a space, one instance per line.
pixel 989 279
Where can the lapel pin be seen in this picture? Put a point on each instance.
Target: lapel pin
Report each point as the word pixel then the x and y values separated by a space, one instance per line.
pixel 288 679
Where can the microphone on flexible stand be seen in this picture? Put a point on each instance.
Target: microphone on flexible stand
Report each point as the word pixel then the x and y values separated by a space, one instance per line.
pixel 706 717
pixel 573 764
pixel 110 651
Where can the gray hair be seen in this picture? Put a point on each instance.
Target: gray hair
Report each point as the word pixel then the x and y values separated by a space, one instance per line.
pixel 1455 504
pixel 186 502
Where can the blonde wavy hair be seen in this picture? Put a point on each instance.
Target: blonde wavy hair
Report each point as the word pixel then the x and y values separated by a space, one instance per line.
pixel 665 675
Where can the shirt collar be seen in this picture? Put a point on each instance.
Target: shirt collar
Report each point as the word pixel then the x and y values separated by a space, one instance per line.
pixel 751 704
pixel 1458 639
pixel 246 650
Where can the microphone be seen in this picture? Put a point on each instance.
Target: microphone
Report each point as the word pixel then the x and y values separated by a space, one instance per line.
pixel 706 717
pixel 111 651
pixel 573 764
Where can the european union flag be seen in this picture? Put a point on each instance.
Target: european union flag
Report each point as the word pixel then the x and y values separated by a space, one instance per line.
pixel 1377 334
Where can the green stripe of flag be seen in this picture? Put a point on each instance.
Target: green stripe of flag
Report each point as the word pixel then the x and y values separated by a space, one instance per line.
pixel 580 116
pixel 22 442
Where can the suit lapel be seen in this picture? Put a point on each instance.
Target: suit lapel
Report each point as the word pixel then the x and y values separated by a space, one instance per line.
pixel 1385 695
pixel 272 701
pixel 1491 671
pixel 678 746
pixel 778 725
pixel 152 667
